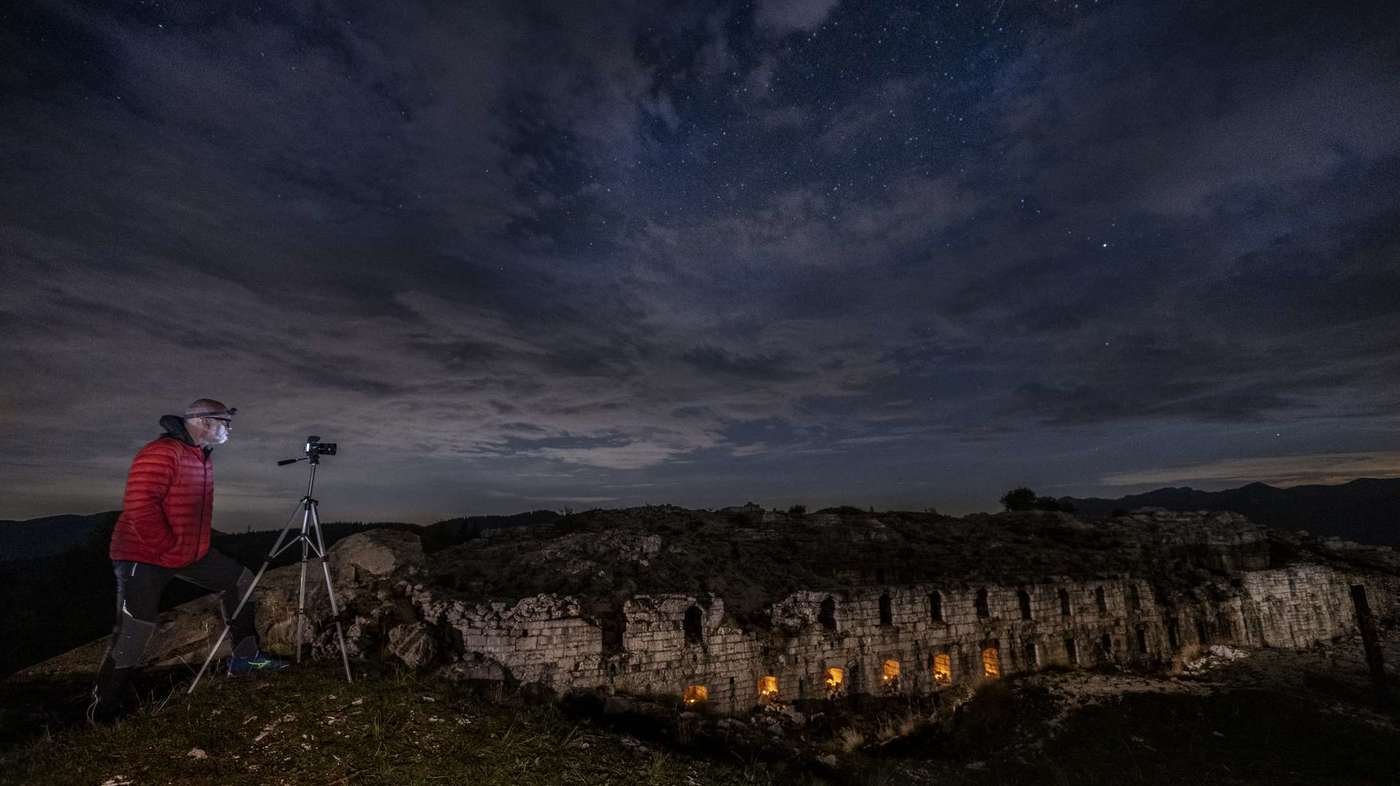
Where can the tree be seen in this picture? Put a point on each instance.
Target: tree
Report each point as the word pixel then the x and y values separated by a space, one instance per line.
pixel 1020 498
pixel 1023 498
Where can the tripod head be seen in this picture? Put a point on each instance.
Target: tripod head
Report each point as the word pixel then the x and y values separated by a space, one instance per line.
pixel 315 449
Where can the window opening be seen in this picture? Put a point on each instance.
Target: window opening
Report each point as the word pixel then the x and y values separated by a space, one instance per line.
pixel 827 615
pixel 890 672
pixel 943 669
pixel 694 630
pixel 991 662
pixel 767 689
pixel 835 680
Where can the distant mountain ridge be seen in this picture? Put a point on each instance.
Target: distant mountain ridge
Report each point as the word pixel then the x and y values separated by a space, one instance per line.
pixel 48 535
pixel 1366 510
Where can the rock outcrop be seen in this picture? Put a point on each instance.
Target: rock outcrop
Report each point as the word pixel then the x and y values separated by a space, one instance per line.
pixel 737 609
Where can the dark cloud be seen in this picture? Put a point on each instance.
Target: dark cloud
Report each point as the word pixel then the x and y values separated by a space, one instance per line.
pixel 511 252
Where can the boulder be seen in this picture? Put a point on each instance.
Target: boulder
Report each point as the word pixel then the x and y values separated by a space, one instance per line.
pixel 377 553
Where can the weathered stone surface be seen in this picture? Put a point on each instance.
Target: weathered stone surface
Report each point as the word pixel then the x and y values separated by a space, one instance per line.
pixel 374 554
pixel 413 644
pixel 473 668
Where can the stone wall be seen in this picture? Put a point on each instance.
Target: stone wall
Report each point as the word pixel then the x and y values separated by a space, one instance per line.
pixel 670 642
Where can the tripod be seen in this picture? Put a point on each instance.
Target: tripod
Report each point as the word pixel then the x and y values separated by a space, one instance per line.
pixel 310 524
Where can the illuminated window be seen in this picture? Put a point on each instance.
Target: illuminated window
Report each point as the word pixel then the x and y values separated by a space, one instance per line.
pixel 991 662
pixel 767 688
pixel 943 669
pixel 695 694
pixel 891 671
pixel 835 679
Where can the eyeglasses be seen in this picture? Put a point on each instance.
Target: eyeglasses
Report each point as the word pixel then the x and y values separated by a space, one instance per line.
pixel 226 421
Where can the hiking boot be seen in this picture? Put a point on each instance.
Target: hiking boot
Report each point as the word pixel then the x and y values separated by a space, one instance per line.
pixel 108 695
pixel 259 662
pixel 103 711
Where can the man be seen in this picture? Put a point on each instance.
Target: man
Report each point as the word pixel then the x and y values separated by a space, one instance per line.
pixel 162 534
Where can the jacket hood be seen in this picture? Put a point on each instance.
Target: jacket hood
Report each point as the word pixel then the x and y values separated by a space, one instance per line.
pixel 174 426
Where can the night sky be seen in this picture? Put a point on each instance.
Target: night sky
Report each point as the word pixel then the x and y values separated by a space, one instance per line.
pixel 518 255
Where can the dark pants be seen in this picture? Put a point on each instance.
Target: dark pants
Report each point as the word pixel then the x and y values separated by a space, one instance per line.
pixel 139 587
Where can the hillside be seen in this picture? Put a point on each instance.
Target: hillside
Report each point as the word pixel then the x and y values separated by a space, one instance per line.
pixel 1366 510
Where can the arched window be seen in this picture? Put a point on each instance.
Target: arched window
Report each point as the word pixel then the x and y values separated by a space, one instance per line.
pixel 886 614
pixel 935 606
pixel 1134 600
pixel 694 628
pixel 983 610
pixel 827 615
pixel 1064 603
pixel 1024 599
pixel 1100 601
pixel 835 679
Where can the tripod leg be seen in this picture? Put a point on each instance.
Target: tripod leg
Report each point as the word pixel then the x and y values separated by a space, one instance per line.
pixel 246 595
pixel 301 583
pixel 330 592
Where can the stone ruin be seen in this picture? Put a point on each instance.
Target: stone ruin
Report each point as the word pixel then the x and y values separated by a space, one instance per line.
pixel 898 609
pixel 892 640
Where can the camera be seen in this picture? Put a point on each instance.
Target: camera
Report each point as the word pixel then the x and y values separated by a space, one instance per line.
pixel 315 447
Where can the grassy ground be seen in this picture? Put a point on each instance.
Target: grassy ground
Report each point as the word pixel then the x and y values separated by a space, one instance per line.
pixel 309 727
pixel 1285 718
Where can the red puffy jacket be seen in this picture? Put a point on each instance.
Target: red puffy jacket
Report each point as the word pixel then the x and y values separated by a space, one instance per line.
pixel 169 504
